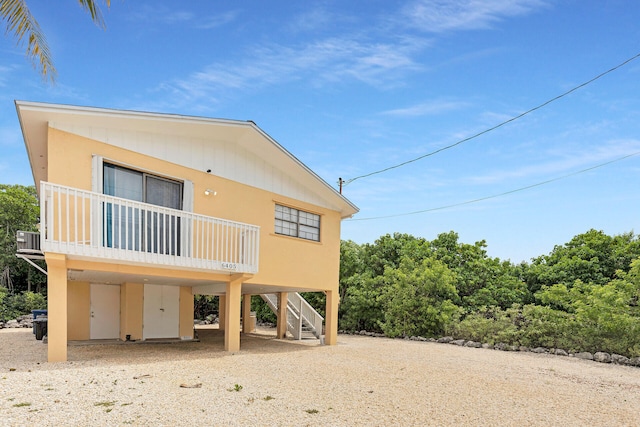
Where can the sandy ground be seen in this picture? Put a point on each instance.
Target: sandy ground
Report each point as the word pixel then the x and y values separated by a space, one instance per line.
pixel 362 381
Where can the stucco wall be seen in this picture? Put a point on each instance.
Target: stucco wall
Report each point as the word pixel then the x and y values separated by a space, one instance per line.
pixel 131 297
pixel 284 261
pixel 78 303
pixel 186 312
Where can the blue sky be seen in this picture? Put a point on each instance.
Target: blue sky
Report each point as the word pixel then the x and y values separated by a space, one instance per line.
pixel 353 87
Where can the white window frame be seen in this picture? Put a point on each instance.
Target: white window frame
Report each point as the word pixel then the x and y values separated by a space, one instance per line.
pixel 97 180
pixel 97 172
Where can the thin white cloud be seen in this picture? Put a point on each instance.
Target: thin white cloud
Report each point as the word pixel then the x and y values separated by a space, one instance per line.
pixel 345 58
pixel 165 15
pixel 563 163
pixel 216 21
pixel 177 17
pixel 426 108
pixel 169 16
pixel 436 16
pixel 328 60
pixel 313 20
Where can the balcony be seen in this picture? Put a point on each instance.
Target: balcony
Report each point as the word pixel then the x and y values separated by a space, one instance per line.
pixel 84 224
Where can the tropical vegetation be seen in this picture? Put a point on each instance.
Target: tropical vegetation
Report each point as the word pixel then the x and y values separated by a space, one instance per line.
pixel 583 296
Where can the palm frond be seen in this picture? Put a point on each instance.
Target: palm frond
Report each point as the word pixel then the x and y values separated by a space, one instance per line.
pixel 94 10
pixel 23 26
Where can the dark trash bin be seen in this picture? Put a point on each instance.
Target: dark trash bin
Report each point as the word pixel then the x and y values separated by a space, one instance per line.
pixel 40 326
pixel 37 313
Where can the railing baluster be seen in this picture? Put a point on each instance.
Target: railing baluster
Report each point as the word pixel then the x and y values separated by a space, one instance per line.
pixel 214 242
pixel 131 230
pixel 68 230
pixel 59 210
pixel 125 244
pixel 105 220
pixel 113 225
pixel 196 239
pixel 216 248
pixel 154 234
pixel 138 234
pixel 207 238
pixel 236 245
pixel 84 224
pixel 227 249
pixel 75 218
pixel 170 236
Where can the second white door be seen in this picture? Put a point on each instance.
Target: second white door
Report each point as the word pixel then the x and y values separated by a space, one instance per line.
pixel 161 311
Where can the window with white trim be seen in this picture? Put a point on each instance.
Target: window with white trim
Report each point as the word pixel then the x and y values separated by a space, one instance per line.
pixel 297 223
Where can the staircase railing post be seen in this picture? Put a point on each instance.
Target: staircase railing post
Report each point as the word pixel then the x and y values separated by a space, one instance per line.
pixel 300 318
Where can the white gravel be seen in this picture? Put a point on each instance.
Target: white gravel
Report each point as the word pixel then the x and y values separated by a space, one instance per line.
pixel 361 381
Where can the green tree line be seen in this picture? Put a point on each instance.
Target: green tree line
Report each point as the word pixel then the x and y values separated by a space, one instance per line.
pixel 21 286
pixel 583 296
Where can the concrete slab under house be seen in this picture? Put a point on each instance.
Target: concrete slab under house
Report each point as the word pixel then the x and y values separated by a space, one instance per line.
pixel 141 211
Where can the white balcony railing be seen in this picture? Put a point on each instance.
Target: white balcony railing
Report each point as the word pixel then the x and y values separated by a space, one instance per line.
pixel 94 225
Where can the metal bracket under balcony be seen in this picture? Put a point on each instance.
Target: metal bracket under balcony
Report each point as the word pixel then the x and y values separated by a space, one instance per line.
pixel 28 244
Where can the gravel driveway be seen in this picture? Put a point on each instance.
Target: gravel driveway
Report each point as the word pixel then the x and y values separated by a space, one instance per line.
pixel 362 381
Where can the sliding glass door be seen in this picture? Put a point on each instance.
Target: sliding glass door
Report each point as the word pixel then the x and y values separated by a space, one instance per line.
pixel 132 228
pixel 163 230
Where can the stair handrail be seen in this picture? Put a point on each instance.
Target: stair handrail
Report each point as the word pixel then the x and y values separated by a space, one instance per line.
pixel 300 311
pixel 292 324
pixel 307 313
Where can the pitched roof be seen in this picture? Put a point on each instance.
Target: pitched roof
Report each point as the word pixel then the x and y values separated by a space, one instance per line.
pixel 35 119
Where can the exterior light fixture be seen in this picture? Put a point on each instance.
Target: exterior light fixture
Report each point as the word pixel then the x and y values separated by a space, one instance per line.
pixel 209 192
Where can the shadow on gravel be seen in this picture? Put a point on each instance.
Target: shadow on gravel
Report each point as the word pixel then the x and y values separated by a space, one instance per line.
pixel 22 352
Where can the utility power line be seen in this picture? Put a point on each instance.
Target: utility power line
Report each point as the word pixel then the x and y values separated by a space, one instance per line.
pixel 468 202
pixel 512 119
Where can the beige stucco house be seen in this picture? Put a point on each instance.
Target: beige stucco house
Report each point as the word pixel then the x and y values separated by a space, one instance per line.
pixel 141 211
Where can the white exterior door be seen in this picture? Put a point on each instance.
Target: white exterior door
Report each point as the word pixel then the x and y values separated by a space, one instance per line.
pixel 161 315
pixel 105 311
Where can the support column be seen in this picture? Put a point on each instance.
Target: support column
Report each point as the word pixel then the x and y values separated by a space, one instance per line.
pixel 186 312
pixel 232 315
pixel 331 318
pixel 247 325
pixel 56 307
pixel 281 327
pixel 131 310
pixel 221 312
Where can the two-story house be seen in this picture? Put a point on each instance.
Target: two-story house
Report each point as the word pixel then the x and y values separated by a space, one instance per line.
pixel 141 211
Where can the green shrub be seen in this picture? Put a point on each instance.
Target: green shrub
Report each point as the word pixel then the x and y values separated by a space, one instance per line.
pixel 546 327
pixel 33 301
pixel 263 312
pixel 418 299
pixel 13 306
pixel 204 305
pixel 489 326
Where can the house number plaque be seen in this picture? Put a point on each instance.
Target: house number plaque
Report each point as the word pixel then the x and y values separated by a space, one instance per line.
pixel 229 266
